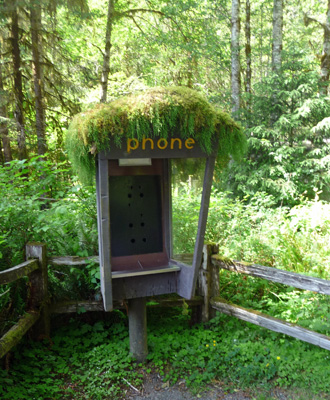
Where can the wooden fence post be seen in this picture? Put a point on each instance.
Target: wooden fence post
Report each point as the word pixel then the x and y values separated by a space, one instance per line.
pixel 208 281
pixel 38 296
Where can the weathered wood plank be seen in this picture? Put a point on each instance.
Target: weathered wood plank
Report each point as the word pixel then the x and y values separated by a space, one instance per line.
pixel 167 205
pixel 103 223
pixel 38 298
pixel 67 307
pixel 296 280
pixel 15 334
pixel 155 303
pixel 188 277
pixel 182 151
pixel 160 270
pixel 208 281
pixel 23 269
pixel 271 323
pixel 72 261
pixel 145 286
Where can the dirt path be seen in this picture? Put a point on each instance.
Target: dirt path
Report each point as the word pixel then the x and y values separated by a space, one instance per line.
pixel 155 389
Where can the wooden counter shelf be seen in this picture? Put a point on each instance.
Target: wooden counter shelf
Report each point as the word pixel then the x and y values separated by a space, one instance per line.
pixel 150 271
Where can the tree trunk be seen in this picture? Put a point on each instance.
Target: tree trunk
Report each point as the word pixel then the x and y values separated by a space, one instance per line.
pixel 2 160
pixel 106 55
pixel 4 138
pixel 35 19
pixel 277 36
pixel 260 70
pixel 276 55
pixel 18 86
pixel 235 56
pixel 325 60
pixel 248 53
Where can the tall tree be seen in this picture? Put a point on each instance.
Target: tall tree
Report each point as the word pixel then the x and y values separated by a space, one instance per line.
pixel 130 13
pixel 35 19
pixel 4 137
pixel 248 52
pixel 277 45
pixel 106 54
pixel 18 84
pixel 277 36
pixel 235 56
pixel 325 58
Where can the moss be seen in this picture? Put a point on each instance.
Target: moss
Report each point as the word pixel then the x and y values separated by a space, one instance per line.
pixel 176 111
pixel 15 334
pixel 223 259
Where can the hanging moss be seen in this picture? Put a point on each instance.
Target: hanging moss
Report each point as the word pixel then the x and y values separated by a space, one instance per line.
pixel 156 112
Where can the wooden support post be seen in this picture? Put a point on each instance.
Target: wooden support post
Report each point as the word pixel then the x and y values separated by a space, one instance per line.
pixel 137 319
pixel 38 296
pixel 208 281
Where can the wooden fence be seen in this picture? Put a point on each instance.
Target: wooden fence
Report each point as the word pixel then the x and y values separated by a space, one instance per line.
pixel 37 315
pixel 207 295
pixel 39 308
pixel 275 275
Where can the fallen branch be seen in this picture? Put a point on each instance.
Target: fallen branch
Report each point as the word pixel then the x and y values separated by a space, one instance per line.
pixel 130 385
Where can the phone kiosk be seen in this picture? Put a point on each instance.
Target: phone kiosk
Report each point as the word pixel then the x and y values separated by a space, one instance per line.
pixel 133 184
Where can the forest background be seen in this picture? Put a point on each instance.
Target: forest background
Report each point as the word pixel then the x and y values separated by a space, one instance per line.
pixel 267 63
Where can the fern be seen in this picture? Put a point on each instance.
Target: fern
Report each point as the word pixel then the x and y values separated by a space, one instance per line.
pixel 176 111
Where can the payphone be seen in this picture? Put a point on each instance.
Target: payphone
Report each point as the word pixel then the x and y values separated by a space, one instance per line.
pixel 133 141
pixel 135 219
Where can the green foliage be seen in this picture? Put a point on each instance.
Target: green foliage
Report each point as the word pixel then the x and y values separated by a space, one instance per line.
pixel 159 112
pixel 24 186
pixel 288 139
pixel 91 360
pixel 254 231
pixel 82 361
pixel 66 223
pixel 236 351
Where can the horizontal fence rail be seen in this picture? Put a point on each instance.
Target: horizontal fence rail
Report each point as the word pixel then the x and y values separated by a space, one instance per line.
pixel 294 279
pixel 275 275
pixel 72 306
pixel 271 323
pixel 21 270
pixel 15 334
pixel 72 260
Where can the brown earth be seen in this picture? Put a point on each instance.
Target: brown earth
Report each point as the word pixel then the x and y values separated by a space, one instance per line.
pixel 154 388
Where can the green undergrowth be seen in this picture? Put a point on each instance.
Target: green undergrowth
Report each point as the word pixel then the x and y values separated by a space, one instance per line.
pixel 81 361
pixel 89 359
pixel 240 355
pixel 41 202
pixel 307 309
pixel 252 229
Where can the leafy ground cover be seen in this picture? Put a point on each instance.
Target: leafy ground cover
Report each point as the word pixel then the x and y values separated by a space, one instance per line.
pixel 89 359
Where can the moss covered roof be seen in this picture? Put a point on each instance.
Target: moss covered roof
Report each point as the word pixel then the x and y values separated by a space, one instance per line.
pixel 156 112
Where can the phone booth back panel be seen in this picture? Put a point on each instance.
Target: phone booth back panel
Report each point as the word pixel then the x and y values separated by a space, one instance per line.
pixel 137 216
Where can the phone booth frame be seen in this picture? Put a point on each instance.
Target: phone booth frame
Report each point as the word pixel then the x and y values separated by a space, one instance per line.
pixel 154 273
